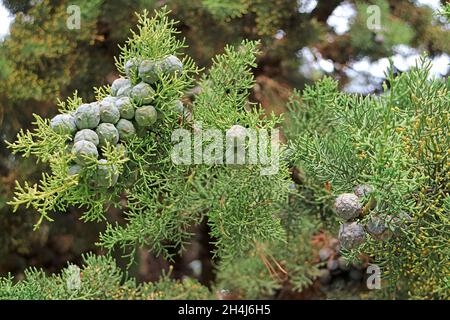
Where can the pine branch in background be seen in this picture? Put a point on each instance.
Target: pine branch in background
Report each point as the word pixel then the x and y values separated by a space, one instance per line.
pixel 268 15
pixel 228 9
pixel 380 40
pixel 27 71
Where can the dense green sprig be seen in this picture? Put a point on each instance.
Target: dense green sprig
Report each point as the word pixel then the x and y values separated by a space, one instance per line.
pixel 397 143
pixel 163 200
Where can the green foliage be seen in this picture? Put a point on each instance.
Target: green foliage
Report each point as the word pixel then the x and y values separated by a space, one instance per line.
pixel 268 15
pixel 98 279
pixel 231 200
pixel 445 11
pixel 243 210
pixel 164 199
pixel 223 99
pixel 59 190
pixel 398 144
pixel 228 9
pixel 28 79
pixel 271 266
pixel 156 38
pixel 246 212
pixel 42 58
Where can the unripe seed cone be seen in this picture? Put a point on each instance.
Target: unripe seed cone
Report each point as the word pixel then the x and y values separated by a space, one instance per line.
pixel 126 129
pixel 145 116
pixel 125 90
pixel 107 133
pixel 87 116
pixel 63 124
pixel 364 191
pixel 172 65
pixel 377 228
pixel 110 99
pixel 126 108
pixel 149 70
pixel 109 113
pixel 142 93
pixel 119 83
pixel 106 175
pixel 131 67
pixel 74 169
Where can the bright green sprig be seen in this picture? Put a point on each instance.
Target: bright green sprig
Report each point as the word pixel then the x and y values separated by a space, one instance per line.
pixel 42 142
pixel 398 144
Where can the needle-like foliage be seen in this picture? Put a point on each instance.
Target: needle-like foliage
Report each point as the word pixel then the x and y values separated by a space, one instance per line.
pixel 163 199
pixel 98 279
pixel 398 144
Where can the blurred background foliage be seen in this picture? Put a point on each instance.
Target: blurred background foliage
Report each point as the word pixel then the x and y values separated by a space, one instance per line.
pixel 41 60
